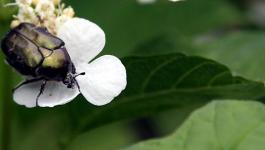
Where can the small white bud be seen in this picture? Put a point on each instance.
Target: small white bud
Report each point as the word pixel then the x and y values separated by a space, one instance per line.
pixel 45 8
pixel 26 14
pixel 24 2
pixel 56 2
pixel 14 23
pixel 51 14
pixel 146 1
pixel 35 2
pixel 61 20
pixel 69 11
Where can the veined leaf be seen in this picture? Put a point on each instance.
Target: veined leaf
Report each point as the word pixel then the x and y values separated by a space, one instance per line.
pixel 241 51
pixel 167 82
pixel 155 84
pixel 227 125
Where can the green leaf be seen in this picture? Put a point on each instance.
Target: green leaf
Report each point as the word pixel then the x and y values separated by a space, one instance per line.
pixel 155 84
pixel 167 82
pixel 241 51
pixel 229 125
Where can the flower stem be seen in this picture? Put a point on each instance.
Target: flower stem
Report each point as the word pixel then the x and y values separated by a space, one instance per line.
pixel 6 98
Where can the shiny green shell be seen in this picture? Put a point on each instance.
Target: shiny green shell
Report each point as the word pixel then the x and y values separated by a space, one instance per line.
pixel 29 49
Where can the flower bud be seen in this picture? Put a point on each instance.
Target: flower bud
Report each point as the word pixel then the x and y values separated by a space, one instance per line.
pixel 45 9
pixel 35 2
pixel 14 23
pixel 24 2
pixel 56 2
pixel 69 12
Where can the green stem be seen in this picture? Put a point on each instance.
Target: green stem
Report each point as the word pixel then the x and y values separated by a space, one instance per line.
pixel 6 99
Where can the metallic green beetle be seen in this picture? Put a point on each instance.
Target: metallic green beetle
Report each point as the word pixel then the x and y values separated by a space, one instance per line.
pixel 35 52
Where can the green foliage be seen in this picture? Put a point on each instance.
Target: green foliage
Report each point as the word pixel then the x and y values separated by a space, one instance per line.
pixel 153 39
pixel 159 83
pixel 219 125
pixel 168 82
pixel 127 23
pixel 6 12
pixel 241 51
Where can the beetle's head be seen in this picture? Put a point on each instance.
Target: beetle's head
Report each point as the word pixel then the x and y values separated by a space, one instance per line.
pixel 70 80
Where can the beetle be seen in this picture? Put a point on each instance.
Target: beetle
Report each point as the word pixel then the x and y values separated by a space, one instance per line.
pixel 34 52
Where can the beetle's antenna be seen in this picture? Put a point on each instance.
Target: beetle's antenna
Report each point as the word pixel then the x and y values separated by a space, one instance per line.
pixel 82 73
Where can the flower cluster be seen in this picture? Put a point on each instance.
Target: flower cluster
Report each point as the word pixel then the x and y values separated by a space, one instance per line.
pixel 47 13
pixel 105 77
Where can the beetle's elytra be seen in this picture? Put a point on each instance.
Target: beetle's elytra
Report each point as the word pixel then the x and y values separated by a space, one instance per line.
pixel 35 52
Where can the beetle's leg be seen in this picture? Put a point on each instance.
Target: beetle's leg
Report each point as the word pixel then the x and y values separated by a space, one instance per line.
pixel 44 82
pixel 27 82
pixel 77 84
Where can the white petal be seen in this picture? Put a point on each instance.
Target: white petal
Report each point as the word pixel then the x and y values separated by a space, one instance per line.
pixel 55 93
pixel 83 39
pixel 105 78
pixel 146 1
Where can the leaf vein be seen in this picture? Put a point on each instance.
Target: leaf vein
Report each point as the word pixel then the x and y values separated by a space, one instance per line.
pixel 217 76
pixel 152 73
pixel 184 75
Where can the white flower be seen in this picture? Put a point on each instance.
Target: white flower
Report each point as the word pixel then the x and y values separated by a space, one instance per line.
pixel 105 76
pixel 153 1
pixel 146 1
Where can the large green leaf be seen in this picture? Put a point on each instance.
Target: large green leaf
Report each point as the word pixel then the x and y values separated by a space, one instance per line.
pixel 229 125
pixel 167 82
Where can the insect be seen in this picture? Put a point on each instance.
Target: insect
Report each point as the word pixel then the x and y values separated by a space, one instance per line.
pixel 36 53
